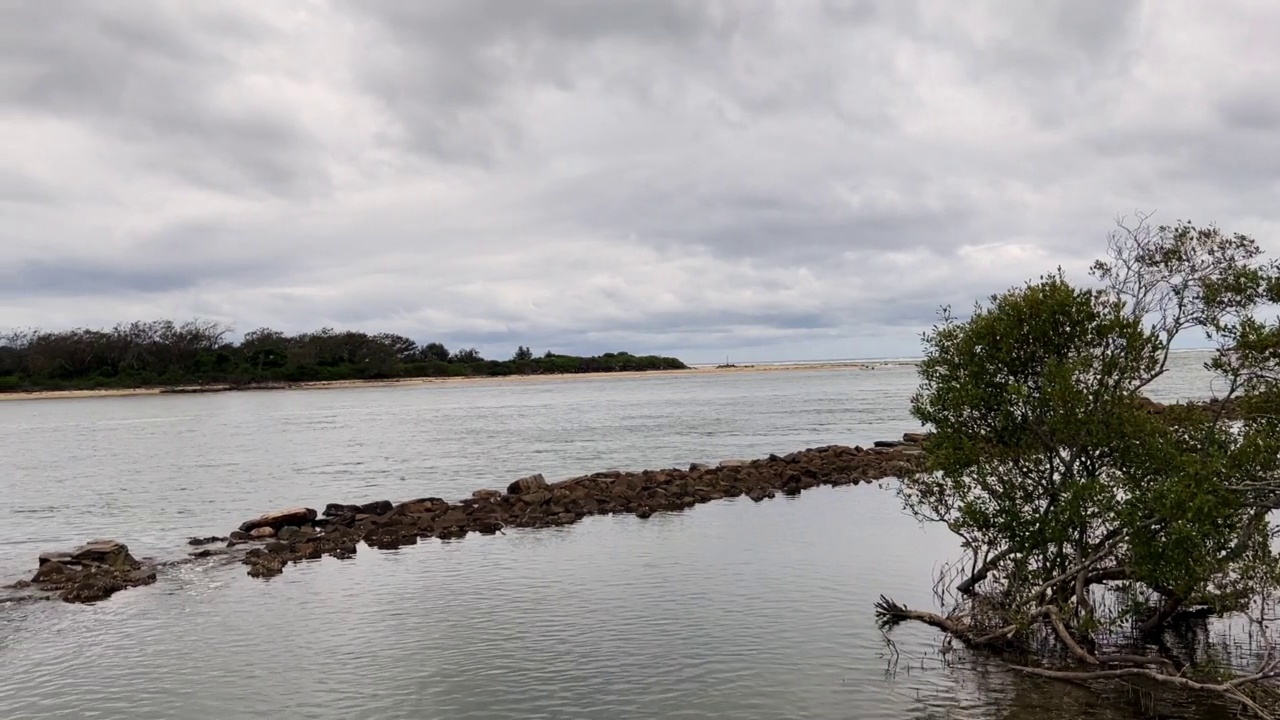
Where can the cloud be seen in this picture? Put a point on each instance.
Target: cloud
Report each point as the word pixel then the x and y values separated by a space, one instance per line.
pixel 756 177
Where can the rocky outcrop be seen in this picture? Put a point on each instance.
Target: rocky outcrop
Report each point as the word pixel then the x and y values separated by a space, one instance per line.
pixel 92 572
pixel 532 502
pixel 276 539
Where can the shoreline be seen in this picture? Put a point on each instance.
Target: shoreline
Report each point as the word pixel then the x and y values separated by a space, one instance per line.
pixel 419 381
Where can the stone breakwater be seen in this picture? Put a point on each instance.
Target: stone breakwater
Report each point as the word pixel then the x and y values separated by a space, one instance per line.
pixel 269 543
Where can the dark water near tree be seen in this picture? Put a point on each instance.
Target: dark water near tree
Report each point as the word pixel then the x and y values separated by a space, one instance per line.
pixel 731 609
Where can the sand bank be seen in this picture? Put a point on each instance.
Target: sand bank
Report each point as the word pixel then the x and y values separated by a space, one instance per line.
pixel 409 382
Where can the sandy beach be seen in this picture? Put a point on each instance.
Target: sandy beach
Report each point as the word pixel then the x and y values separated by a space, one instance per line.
pixel 404 382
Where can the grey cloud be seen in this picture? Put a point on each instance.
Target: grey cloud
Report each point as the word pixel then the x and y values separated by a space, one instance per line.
pixel 639 174
pixel 1251 113
pixel 442 67
pixel 18 188
pixel 149 76
pixel 77 278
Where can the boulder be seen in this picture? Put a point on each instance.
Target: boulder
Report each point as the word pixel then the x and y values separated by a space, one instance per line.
pixel 49 571
pixel 280 518
pixel 91 572
pixel 423 506
pixel 378 507
pixel 528 484
pixel 109 553
pixel 336 509
pixel 55 557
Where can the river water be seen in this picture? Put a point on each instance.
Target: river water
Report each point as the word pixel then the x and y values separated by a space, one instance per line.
pixel 731 609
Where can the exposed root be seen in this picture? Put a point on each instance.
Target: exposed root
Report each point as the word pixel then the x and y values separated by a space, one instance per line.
pixel 890 614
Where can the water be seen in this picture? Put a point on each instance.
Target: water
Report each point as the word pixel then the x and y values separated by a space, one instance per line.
pixel 731 609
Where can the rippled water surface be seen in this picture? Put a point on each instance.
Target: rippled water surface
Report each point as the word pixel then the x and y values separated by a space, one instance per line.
pixel 730 609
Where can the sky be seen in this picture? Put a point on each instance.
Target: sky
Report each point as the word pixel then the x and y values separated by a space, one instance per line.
pixel 764 180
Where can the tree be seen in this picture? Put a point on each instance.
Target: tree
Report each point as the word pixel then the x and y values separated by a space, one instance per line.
pixel 1067 492
pixel 464 357
pixel 523 354
pixel 435 351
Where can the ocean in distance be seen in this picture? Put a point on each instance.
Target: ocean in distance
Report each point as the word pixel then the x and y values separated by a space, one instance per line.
pixel 730 609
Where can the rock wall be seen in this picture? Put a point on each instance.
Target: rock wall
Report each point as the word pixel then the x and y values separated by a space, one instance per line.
pixel 267 544
pixel 532 502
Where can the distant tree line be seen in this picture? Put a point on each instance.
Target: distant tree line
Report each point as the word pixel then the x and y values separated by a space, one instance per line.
pixel 164 353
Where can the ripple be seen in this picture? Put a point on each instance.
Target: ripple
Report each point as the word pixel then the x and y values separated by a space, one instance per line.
pixel 731 609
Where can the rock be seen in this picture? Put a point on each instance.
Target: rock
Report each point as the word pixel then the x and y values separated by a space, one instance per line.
pixel 380 507
pixel 333 510
pixel 92 572
pixel 280 518
pixel 528 484
pixel 110 553
pixel 537 497
pixel 275 547
pixel 93 586
pixel 266 567
pixel 488 527
pixel 49 571
pixel 206 540
pixel 262 533
pixel 55 557
pixel 452 533
pixel 423 506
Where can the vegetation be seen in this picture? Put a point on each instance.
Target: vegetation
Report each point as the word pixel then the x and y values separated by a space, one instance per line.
pixel 1091 528
pixel 164 353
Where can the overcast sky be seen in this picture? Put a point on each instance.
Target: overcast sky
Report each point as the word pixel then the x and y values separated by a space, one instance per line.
pixel 769 180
